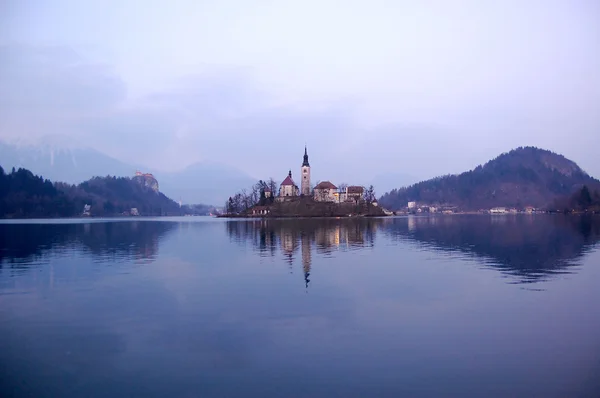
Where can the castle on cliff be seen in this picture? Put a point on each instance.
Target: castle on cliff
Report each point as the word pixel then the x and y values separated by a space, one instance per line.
pixel 146 179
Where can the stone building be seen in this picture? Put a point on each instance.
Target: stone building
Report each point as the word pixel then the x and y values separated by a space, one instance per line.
pixel 325 191
pixel 354 193
pixel 288 187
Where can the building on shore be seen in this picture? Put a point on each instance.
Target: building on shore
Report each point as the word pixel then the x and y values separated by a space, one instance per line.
pixel 325 191
pixel 354 193
pixel 498 210
pixel 260 210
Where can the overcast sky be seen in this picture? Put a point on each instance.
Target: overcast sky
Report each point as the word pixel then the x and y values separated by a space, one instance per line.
pixel 418 87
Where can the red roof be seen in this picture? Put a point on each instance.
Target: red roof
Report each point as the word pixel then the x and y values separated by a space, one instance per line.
pixel 325 185
pixel 288 181
pixel 355 189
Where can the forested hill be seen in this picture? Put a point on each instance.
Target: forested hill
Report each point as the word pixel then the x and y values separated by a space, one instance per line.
pixel 23 194
pixel 526 176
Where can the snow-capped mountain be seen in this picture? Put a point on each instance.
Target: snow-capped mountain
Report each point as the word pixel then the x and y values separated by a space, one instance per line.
pixel 60 158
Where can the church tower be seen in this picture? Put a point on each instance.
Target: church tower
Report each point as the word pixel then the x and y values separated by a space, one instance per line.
pixel 305 172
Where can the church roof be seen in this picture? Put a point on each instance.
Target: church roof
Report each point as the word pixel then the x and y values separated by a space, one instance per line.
pixel 325 185
pixel 305 162
pixel 288 181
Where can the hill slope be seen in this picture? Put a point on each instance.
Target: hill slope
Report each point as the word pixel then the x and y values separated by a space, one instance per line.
pixel 526 176
pixel 24 195
pixel 117 195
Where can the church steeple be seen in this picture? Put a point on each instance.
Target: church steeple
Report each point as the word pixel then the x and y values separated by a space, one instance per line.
pixel 305 172
pixel 305 163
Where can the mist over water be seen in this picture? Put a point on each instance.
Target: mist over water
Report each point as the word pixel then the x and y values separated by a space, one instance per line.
pixel 418 306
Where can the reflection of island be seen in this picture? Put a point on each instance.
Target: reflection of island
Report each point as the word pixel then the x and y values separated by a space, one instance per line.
pixel 293 235
pixel 530 247
pixel 527 246
pixel 21 244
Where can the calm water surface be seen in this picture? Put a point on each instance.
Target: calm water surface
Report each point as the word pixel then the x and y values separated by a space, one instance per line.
pixel 452 306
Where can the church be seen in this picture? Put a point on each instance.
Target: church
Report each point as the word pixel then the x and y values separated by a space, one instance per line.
pixel 325 191
pixel 288 187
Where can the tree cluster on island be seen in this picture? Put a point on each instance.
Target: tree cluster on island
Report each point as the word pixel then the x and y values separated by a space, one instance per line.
pixel 244 200
pixel 256 195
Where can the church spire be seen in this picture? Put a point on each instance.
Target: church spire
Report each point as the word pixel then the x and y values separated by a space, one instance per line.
pixel 305 163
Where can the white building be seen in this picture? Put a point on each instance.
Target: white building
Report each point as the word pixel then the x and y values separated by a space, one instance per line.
pixel 412 205
pixel 354 193
pixel 288 187
pixel 260 211
pixel 498 210
pixel 325 191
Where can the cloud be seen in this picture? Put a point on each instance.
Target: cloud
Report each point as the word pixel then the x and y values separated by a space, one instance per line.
pixel 46 80
pixel 228 114
pixel 218 114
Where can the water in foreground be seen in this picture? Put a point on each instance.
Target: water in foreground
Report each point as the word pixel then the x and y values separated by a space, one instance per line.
pixel 420 307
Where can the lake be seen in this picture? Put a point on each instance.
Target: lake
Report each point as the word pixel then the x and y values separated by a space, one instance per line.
pixel 446 306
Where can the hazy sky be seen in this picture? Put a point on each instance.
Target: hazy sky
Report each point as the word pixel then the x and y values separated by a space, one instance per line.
pixel 417 87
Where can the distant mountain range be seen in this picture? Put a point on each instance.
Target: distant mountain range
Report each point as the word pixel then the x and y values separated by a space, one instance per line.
pixel 59 159
pixel 525 176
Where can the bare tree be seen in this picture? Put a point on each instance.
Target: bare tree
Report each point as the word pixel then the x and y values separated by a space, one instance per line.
pixel 272 185
pixel 255 192
pixel 369 194
pixel 236 203
pixel 246 200
pixel 342 190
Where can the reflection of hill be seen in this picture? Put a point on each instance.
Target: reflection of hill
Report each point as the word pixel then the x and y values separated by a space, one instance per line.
pixel 530 247
pixel 293 237
pixel 24 243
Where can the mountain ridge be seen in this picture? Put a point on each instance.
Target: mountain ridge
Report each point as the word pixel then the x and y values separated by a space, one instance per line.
pixel 525 176
pixel 60 159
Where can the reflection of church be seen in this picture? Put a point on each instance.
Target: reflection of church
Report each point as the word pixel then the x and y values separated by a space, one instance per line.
pixel 289 246
pixel 299 237
pixel 306 258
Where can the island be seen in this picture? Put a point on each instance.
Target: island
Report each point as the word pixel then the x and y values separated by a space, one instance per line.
pixel 323 200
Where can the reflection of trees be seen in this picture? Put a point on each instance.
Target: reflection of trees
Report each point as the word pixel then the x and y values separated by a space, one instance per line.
pixel 530 247
pixel 269 237
pixel 25 243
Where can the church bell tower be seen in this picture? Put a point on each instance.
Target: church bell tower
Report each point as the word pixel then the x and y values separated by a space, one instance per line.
pixel 305 173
